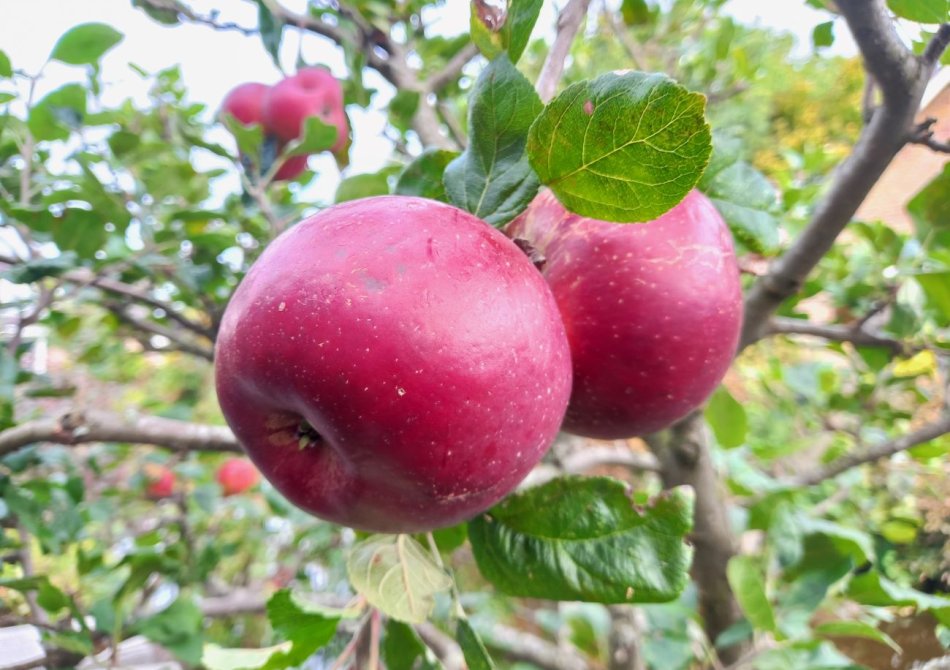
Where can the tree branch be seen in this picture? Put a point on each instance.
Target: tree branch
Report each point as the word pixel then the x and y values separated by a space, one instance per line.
pixel 877 452
pixel 152 328
pixel 837 333
pixel 626 632
pixel 923 134
pixel 439 80
pixel 79 427
pixel 568 23
pixel 517 645
pixel 937 45
pixel 902 79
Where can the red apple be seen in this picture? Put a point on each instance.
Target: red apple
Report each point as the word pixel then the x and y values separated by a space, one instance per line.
pixel 311 92
pixel 237 475
pixel 160 481
pixel 245 103
pixel 393 364
pixel 652 311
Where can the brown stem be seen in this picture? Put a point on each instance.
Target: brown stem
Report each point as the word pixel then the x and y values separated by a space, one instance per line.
pixel 568 23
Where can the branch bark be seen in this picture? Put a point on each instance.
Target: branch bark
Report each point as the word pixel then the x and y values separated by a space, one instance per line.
pixel 81 427
pixel 568 23
pixel 837 333
pixel 520 646
pixel 683 452
pixel 452 69
pixel 877 452
pixel 626 632
pixel 152 328
pixel 902 78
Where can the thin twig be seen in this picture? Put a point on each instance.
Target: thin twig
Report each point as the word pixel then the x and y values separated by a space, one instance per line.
pixel 568 23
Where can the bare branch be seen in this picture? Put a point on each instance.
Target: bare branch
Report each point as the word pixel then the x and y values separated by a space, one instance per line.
pixel 193 16
pixel 902 79
pixel 452 69
pixel 152 328
pixel 237 602
pixel 837 333
pixel 923 134
pixel 517 645
pixel 937 45
pixel 568 23
pixel 442 646
pixel 627 624
pixel 80 427
pixel 877 452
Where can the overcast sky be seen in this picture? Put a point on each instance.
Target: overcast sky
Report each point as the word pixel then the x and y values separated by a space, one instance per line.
pixel 214 62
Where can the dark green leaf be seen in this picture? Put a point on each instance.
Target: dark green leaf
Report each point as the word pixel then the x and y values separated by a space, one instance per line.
pixel 522 15
pixel 870 588
pixel 824 34
pixel 86 43
pixel 403 649
pixel 589 539
pixel 61 111
pixel 747 579
pixel 317 136
pixel 727 418
pixel 37 268
pixel 621 147
pixel 423 176
pixel 495 29
pixel 492 178
pixel 6 69
pixel 51 598
pixel 923 11
pixel 362 186
pixel 635 12
pixel 271 30
pixel 744 197
pixel 856 629
pixel 476 656
pixel 178 628
pixel 79 230
pixel 849 542
pixel 402 109
pixel 307 628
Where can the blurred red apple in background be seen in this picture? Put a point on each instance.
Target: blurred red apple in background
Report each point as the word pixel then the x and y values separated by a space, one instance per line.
pixel 311 92
pixel 237 475
pixel 393 364
pixel 652 311
pixel 160 481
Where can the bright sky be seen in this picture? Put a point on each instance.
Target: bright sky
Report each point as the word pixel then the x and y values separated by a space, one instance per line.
pixel 214 62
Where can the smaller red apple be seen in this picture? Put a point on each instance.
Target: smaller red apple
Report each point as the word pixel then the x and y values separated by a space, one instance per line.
pixel 237 475
pixel 245 103
pixel 311 92
pixel 161 481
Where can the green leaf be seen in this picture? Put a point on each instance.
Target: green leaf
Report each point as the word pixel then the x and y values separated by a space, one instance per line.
pixel 219 658
pixel 823 35
pixel 403 649
pixel 492 178
pixel 362 186
pixel 37 268
pixel 423 176
pixel 635 12
pixel 396 575
pixel 58 113
pixel 857 629
pixel 178 628
pixel 744 197
pixel 85 44
pixel 271 31
pixel 402 109
pixel 727 418
pixel 590 539
pixel 317 136
pixel 476 656
pixel 79 230
pixel 747 579
pixel 850 542
pixel 622 147
pixel 168 17
pixel 936 286
pixel 6 69
pixel 51 598
pixel 249 139
pixel 870 588
pixel 923 11
pixel 495 30
pixel 930 210
pixel 307 627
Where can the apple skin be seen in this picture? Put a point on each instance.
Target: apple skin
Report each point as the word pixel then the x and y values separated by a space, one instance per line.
pixel 237 475
pixel 652 311
pixel 160 482
pixel 419 344
pixel 311 92
pixel 246 104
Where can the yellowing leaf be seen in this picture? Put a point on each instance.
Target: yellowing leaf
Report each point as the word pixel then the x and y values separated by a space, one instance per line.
pixel 924 363
pixel 396 575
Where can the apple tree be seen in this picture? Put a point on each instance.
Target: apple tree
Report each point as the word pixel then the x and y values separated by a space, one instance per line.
pixel 753 469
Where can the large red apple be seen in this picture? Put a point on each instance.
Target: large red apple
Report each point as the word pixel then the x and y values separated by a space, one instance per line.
pixel 236 475
pixel 652 311
pixel 393 364
pixel 311 92
pixel 246 104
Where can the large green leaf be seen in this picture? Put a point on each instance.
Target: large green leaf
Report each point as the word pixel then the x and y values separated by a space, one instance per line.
pixel 924 11
pixel 476 656
pixel 85 44
pixel 588 539
pixel 58 113
pixel 621 147
pixel 871 588
pixel 178 628
pixel 492 178
pixel 396 575
pixel 307 627
pixel 747 579
pixel 851 542
pixel 423 176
